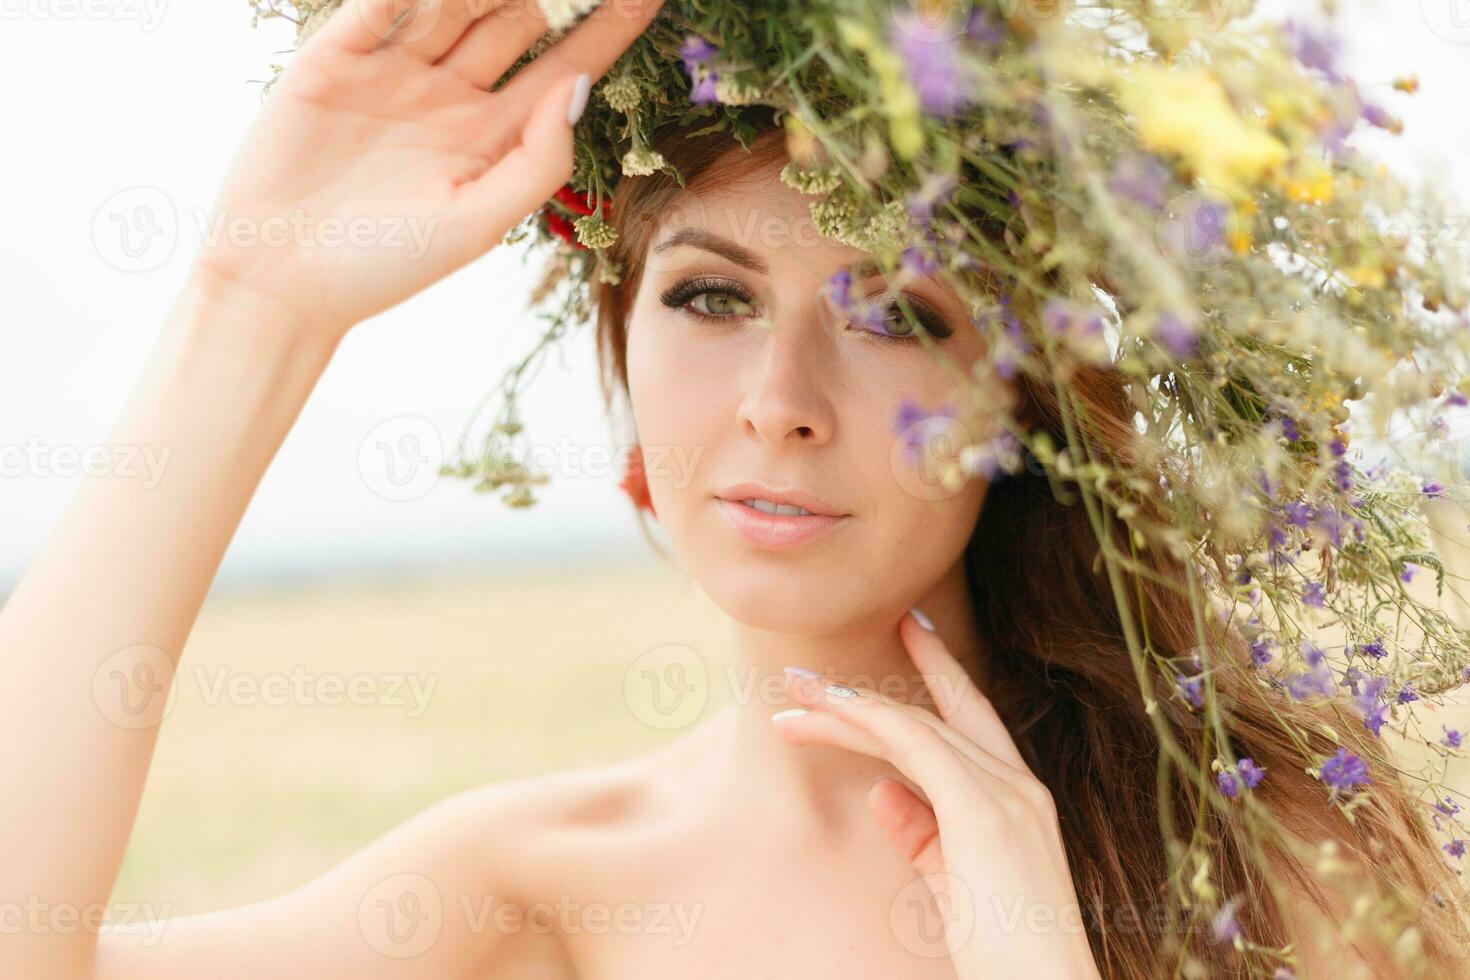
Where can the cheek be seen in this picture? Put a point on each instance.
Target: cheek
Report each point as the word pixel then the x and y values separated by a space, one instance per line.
pixel 919 525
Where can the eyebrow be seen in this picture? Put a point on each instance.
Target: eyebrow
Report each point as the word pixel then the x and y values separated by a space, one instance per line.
pixel 710 242
pixel 714 243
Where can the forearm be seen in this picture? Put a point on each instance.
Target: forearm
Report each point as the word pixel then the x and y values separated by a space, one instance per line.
pixel 126 569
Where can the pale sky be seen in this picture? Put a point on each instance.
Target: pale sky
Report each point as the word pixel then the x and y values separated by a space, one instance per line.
pixel 112 103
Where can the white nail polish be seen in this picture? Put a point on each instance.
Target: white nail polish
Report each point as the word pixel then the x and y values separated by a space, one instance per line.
pixel 579 99
pixel 788 713
pixel 923 620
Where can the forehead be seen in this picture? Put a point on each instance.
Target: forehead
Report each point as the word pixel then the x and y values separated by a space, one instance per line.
pixel 753 209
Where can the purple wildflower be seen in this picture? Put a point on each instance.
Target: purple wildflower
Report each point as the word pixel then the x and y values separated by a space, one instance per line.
pixel 1371 704
pixel 1407 575
pixel 1452 738
pixel 1314 49
pixel 1289 428
pixel 929 55
pixel 698 56
pixel 989 464
pixel 1448 807
pixel 1223 926
pixel 1229 785
pixel 696 52
pixel 1330 523
pixel 1303 685
pixel 919 261
pixel 1376 115
pixel 703 92
pixel 1314 596
pixel 1374 649
pixel 935 190
pixel 982 28
pixel 1406 694
pixel 1176 336
pixel 1298 513
pixel 910 421
pixel 1433 490
pixel 1063 319
pixel 1455 848
pixel 1344 770
pixel 1140 178
pixel 839 287
pixel 1191 688
pixel 1250 773
pixel 1261 653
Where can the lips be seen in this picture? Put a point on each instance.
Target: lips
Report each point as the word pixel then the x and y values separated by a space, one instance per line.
pixel 795 498
pixel 777 532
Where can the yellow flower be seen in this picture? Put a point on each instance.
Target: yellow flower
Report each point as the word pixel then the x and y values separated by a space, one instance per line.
pixel 1186 112
pixel 1371 276
pixel 1314 186
pixel 900 100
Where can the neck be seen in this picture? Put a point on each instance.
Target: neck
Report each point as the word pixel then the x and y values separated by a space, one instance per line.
pixel 820 790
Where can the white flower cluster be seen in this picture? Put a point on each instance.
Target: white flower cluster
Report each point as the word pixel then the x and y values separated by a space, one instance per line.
pixel 561 14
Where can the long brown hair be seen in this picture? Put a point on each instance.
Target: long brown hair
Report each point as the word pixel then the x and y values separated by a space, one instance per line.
pixel 1061 675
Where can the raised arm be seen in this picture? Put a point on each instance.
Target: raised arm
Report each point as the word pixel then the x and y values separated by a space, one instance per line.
pixel 368 129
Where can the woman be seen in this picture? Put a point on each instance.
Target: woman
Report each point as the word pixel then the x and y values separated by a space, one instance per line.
pixel 963 791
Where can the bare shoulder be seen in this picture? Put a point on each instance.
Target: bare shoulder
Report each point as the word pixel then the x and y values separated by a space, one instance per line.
pixel 459 889
pixel 539 832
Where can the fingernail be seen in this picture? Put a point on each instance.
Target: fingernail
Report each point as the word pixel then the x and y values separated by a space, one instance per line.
pixel 923 620
pixel 788 713
pixel 579 98
pixel 841 691
pixel 802 672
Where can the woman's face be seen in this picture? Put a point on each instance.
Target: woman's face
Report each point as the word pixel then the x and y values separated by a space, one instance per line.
pixel 807 404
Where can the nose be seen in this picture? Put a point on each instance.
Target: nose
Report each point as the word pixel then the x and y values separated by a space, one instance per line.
pixel 787 401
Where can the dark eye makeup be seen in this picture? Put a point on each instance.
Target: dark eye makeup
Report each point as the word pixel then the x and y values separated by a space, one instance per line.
pixel 682 293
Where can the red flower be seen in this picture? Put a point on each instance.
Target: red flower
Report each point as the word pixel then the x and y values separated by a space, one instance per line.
pixel 561 227
pixel 635 482
pixel 578 204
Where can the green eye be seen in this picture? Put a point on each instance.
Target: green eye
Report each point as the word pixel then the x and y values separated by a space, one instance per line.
pixel 717 303
pixel 900 325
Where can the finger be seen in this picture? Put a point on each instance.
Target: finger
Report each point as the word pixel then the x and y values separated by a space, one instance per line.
pixel 909 823
pixel 921 752
pixel 494 43
pixel 435 26
pixel 363 26
pixel 824 728
pixel 813 693
pixel 592 47
pixel 526 177
pixel 959 699
pixel 426 28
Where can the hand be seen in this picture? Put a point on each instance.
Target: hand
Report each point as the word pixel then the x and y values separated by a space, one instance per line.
pixel 380 163
pixel 986 840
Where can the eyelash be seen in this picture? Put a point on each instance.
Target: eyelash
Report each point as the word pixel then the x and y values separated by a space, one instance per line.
pixel 679 295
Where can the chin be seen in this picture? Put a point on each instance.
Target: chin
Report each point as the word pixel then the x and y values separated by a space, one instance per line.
pixel 781 592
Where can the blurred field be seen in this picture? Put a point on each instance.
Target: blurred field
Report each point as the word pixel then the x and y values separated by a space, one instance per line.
pixel 248 798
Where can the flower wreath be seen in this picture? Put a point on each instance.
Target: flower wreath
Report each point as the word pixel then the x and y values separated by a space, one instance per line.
pixel 1174 192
